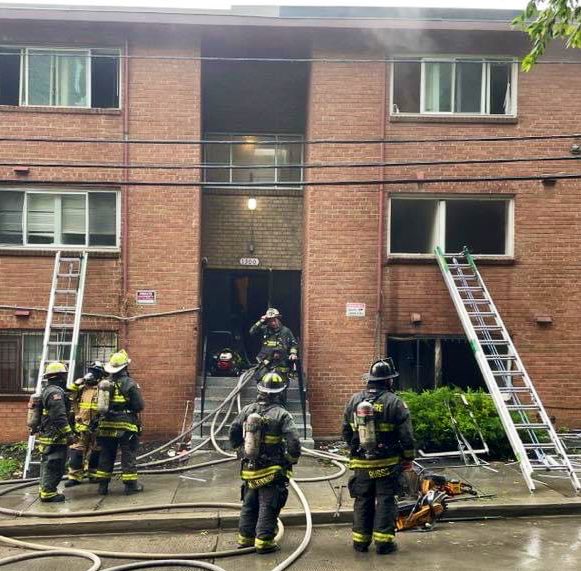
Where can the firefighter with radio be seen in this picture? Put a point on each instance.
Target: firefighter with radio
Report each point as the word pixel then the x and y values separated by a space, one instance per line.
pixel 279 345
pixel 267 440
pixel 84 453
pixel 48 416
pixel 119 402
pixel 377 426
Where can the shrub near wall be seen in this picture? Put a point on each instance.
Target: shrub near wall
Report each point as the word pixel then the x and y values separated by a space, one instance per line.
pixel 430 411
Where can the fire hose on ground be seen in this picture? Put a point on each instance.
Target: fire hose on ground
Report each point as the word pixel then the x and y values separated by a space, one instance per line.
pixel 163 559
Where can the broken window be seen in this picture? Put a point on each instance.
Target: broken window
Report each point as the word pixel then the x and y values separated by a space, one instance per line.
pixel 454 85
pixel 418 225
pixel 9 76
pixel 427 363
pixel 480 225
pixel 413 226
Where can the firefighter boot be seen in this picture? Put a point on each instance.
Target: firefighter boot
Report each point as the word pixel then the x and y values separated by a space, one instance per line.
pixel 133 488
pixel 54 499
pixel 360 547
pixel 103 488
pixel 72 483
pixel 385 548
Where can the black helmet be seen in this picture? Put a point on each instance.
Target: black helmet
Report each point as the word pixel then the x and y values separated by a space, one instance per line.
pixel 97 368
pixel 271 383
pixel 381 370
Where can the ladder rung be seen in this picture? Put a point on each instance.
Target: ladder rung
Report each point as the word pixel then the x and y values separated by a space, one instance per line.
pixel 549 467
pixel 481 313
pixel 508 373
pixel 539 446
pixel 482 328
pixel 61 325
pixel 509 390
pixel 459 265
pixel 469 288
pixel 500 357
pixel 60 342
pixel 518 407
pixel 531 426
pixel 493 342
pixel 66 308
pixel 68 275
pixel 70 260
pixel 471 301
pixel 66 291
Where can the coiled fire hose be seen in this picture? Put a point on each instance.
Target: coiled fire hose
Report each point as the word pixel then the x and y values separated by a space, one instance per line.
pixel 163 559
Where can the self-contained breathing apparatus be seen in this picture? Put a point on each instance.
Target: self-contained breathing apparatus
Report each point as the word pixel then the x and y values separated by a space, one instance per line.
pixel 364 417
pixel 104 396
pixel 34 413
pixel 252 433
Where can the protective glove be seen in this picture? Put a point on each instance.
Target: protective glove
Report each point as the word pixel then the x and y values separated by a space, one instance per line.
pixel 293 357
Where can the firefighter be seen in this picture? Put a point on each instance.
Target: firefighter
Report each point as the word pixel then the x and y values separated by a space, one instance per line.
pixel 119 425
pixel 279 346
pixel 55 432
pixel 378 428
pixel 268 443
pixel 84 453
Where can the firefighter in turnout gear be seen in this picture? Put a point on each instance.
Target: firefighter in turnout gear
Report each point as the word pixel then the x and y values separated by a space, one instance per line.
pixel 267 439
pixel 279 345
pixel 119 402
pixel 84 453
pixel 55 433
pixel 378 428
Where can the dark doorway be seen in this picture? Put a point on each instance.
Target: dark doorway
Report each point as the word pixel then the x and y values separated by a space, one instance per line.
pixel 235 299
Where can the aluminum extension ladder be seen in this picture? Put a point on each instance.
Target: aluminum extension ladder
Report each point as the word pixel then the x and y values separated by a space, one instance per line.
pixel 63 321
pixel 534 441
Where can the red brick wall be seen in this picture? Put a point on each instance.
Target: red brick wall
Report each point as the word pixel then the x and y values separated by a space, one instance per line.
pixel 163 222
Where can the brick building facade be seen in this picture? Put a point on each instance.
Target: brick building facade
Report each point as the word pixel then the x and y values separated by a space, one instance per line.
pixel 319 247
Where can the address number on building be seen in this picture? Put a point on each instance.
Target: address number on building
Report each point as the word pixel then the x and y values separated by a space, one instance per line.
pixel 249 261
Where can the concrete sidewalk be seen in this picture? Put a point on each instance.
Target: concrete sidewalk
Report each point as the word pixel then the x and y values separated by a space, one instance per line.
pixel 504 491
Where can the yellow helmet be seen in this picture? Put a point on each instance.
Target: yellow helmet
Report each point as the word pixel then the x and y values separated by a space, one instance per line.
pixel 54 368
pixel 117 361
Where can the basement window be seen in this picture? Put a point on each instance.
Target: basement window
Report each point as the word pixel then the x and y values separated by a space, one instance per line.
pixel 60 77
pixel 76 219
pixel 485 225
pixel 20 354
pixel 454 86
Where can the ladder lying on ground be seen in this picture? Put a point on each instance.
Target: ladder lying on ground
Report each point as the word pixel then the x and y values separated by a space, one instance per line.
pixel 63 320
pixel 534 441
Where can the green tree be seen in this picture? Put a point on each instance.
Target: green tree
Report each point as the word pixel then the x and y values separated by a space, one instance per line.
pixel 547 20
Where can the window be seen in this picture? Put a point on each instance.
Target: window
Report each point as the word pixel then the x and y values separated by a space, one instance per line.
pixel 466 86
pixel 426 363
pixel 418 225
pixel 21 353
pixel 59 77
pixel 273 156
pixel 78 219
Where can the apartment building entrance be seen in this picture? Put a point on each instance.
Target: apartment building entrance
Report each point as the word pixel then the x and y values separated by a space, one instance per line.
pixel 235 299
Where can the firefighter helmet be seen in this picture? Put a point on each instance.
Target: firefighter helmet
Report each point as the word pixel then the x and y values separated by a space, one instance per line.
pixel 117 362
pixel 382 370
pixel 272 313
pixel 271 383
pixel 55 368
pixel 96 367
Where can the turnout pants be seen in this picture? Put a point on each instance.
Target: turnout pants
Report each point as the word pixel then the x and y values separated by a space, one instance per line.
pixel 260 510
pixel 375 509
pixel 84 457
pixel 129 443
pixel 53 463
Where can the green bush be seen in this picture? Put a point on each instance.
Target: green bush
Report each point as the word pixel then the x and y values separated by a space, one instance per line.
pixel 11 460
pixel 433 425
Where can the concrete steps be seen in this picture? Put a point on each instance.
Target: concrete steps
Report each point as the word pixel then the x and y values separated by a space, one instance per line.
pixel 218 388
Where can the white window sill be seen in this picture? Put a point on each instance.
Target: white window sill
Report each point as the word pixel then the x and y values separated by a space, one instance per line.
pixel 40 250
pixel 430 258
pixel 67 110
pixel 450 118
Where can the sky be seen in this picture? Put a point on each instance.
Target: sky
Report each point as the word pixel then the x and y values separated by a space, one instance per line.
pixel 224 4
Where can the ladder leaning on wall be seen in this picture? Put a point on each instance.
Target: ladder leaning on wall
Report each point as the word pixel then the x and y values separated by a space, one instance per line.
pixel 63 321
pixel 534 440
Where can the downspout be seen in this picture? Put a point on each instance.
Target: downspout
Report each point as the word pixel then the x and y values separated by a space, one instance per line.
pixel 379 350
pixel 125 200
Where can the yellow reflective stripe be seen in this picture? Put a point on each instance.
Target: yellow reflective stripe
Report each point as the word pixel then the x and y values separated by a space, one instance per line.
pixel 379 463
pixel 101 474
pixel 45 495
pixel 361 537
pixel 251 474
pixel 117 425
pixel 88 406
pixel 81 427
pixel 272 439
pixel 128 477
pixel 245 541
pixel 383 537
pixel 262 543
pixel 385 427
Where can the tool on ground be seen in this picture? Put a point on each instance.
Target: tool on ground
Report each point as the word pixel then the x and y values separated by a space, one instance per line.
pixel 63 321
pixel 535 443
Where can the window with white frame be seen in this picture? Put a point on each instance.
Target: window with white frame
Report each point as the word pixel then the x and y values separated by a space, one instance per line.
pixel 21 353
pixel 49 218
pixel 273 156
pixel 458 85
pixel 418 225
pixel 59 77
